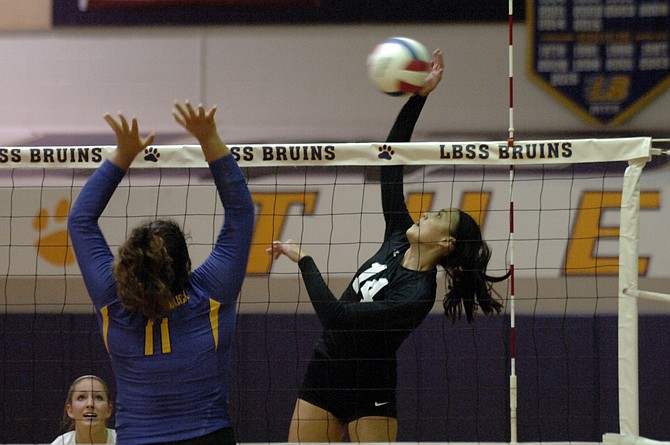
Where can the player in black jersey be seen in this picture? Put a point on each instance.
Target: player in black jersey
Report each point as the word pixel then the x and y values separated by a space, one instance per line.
pixel 350 383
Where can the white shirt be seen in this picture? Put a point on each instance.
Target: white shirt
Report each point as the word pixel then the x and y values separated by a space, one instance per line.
pixel 69 438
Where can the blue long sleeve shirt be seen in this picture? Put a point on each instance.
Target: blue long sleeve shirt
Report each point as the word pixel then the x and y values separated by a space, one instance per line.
pixel 172 373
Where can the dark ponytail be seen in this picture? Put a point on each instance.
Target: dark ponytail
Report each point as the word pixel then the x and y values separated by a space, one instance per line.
pixel 469 287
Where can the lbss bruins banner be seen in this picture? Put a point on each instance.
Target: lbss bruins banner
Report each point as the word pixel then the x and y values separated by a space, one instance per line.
pixel 603 58
pixel 329 154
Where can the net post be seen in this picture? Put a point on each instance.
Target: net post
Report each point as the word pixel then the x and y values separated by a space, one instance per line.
pixel 629 232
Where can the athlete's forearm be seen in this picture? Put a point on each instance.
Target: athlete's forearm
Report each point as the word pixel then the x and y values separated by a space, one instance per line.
pixel 403 127
pixel 93 254
pixel 322 298
pixel 393 200
pixel 222 274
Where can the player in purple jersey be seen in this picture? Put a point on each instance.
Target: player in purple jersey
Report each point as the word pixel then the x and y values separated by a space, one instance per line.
pixel 351 379
pixel 168 329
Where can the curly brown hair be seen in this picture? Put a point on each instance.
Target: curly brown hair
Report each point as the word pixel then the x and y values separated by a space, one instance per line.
pixel 152 267
pixel 469 286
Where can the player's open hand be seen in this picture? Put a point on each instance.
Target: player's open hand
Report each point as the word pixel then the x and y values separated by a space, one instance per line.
pixel 198 122
pixel 288 248
pixel 435 76
pixel 128 140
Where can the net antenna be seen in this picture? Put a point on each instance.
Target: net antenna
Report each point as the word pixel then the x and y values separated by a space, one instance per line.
pixel 512 301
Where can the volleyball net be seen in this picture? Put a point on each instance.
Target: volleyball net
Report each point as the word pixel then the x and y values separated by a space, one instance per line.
pixel 575 356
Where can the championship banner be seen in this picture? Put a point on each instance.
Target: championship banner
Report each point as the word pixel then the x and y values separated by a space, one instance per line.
pixel 346 154
pixel 605 59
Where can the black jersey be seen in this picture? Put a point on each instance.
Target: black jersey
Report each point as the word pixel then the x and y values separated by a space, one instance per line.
pixel 383 303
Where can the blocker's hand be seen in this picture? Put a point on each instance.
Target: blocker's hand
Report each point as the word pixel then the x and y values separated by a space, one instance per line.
pixel 201 124
pixel 128 140
pixel 198 122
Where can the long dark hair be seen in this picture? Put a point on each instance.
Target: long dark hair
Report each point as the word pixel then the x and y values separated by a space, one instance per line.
pixel 152 267
pixel 469 287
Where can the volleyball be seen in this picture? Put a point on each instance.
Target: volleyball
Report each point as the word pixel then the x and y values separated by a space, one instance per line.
pixel 399 66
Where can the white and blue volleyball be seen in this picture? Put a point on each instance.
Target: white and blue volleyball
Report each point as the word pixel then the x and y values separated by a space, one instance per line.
pixel 399 66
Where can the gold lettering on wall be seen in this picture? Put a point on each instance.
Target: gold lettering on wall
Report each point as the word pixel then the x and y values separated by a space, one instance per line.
pixel 272 210
pixel 582 256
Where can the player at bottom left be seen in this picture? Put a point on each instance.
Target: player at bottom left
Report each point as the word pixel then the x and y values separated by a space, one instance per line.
pixel 87 409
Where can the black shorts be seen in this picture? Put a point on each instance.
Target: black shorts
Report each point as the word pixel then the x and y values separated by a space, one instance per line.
pixel 223 436
pixel 351 389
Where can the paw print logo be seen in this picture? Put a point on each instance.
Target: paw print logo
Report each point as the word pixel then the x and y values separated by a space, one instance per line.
pixel 53 243
pixel 151 154
pixel 385 152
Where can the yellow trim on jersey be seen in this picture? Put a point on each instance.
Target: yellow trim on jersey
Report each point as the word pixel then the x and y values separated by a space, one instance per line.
pixel 166 348
pixel 149 338
pixel 214 320
pixel 105 326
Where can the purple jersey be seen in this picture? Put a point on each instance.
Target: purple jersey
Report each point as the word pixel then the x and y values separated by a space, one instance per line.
pixel 171 373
